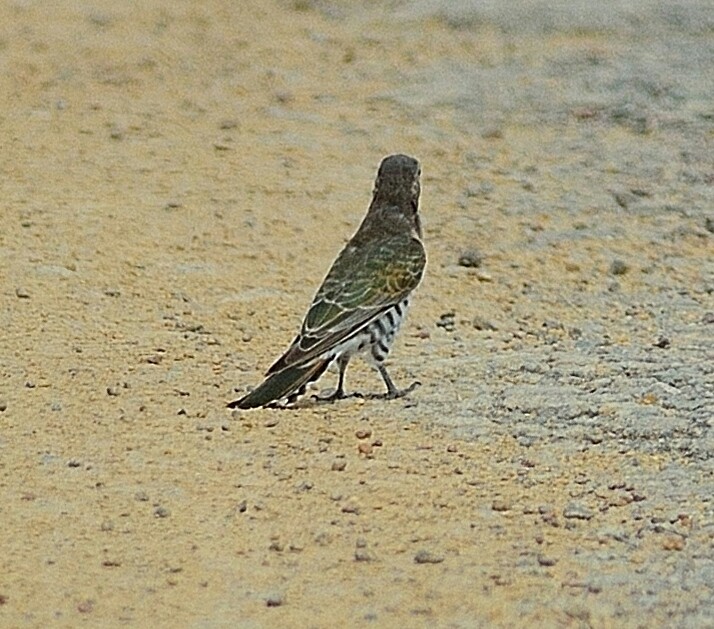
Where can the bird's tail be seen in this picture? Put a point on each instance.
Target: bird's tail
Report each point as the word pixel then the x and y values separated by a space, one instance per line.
pixel 282 384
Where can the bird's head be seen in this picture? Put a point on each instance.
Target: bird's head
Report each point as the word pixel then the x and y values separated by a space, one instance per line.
pixel 397 186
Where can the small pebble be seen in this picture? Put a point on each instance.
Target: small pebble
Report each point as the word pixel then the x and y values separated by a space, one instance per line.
pixel 545 560
pixel 276 599
pixel 338 465
pixel 500 505
pixel 162 512
pixel 447 321
pixel 470 259
pixel 576 511
pixel 22 293
pixel 673 542
pixel 618 267
pixel 492 133
pixel 271 423
pixel 363 433
pixel 362 554
pixel 427 556
pixel 624 198
pixel 479 323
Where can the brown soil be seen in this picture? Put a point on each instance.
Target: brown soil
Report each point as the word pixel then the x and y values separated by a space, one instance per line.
pixel 176 181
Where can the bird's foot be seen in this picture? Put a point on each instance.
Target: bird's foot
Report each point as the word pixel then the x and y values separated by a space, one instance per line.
pixel 394 393
pixel 337 394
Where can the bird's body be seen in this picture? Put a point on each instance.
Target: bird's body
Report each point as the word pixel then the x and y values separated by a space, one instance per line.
pixel 365 296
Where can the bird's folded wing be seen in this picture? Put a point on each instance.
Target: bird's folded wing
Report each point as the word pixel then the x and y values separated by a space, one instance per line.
pixel 360 287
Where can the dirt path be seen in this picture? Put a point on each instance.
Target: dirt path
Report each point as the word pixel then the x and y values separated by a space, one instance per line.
pixel 176 181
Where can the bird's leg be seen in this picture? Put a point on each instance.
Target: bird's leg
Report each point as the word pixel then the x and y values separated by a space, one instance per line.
pixel 392 391
pixel 339 392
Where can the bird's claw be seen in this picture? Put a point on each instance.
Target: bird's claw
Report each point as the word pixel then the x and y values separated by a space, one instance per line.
pixel 395 394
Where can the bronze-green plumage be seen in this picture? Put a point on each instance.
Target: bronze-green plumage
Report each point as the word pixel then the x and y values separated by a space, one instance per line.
pixel 365 296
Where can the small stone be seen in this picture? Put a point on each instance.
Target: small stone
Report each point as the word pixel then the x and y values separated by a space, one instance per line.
pixel 338 465
pixel 673 542
pixel 709 224
pixel 663 342
pixel 271 423
pixel 362 554
pixel 22 293
pixel 113 391
pixel 275 599
pixel 618 267
pixel 492 133
pixel 576 511
pixel 365 448
pixel 528 185
pixel 620 500
pixel 480 323
pixel 624 198
pixel 363 433
pixel 141 496
pixel 162 512
pixel 500 505
pixel 427 556
pixel 545 560
pixel 447 321
pixel 154 359
pixel 3 406
pixel 351 507
pixel 708 318
pixel 470 259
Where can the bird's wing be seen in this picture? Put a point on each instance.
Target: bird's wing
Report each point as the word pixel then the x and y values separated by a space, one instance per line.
pixel 362 284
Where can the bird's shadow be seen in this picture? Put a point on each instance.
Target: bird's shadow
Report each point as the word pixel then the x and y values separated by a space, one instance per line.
pixel 315 401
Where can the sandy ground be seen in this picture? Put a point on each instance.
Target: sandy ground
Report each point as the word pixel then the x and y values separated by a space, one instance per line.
pixel 177 178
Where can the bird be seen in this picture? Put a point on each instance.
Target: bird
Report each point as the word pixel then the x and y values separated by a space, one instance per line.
pixel 364 298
